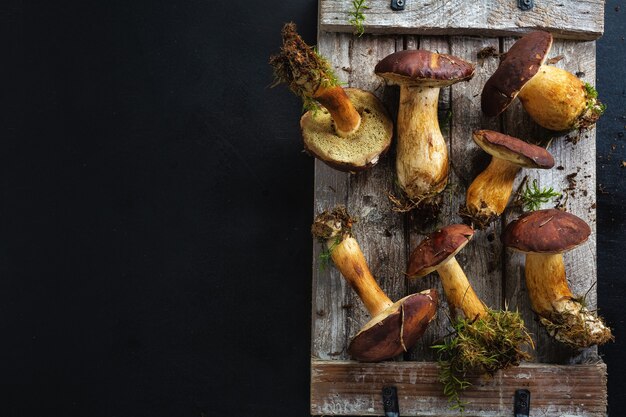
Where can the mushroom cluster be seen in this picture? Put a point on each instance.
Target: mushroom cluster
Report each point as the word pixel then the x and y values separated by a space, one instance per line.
pixel 353 129
pixel 350 133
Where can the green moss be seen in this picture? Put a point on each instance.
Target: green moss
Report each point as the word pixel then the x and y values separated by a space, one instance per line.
pixel 484 346
pixel 357 17
pixel 301 67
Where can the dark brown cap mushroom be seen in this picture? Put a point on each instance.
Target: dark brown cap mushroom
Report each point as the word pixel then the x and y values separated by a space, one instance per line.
pixel 394 330
pixel 438 248
pixel 517 66
pixel 425 68
pixel 395 327
pixel 489 193
pixel 437 253
pixel 513 150
pixel 421 152
pixel 546 231
pixel 555 99
pixel 543 235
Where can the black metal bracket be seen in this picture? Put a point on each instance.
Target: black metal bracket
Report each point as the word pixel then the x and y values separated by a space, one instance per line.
pixel 525 4
pixel 521 405
pixel 398 4
pixel 390 401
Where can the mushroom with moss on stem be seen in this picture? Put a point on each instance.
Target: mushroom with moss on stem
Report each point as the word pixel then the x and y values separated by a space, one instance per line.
pixel 555 98
pixel 353 129
pixel 394 327
pixel 485 340
pixel 489 193
pixel 422 153
pixel 543 236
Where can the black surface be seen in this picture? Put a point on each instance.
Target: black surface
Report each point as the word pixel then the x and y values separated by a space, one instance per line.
pixel 155 205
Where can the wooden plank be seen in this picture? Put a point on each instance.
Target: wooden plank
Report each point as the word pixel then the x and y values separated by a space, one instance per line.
pixel 330 292
pixel 481 258
pixel 574 160
pixel 582 20
pixel 351 388
pixel 379 231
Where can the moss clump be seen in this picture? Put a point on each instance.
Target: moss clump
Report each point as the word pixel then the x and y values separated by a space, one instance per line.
pixel 594 108
pixel 482 346
pixel 301 67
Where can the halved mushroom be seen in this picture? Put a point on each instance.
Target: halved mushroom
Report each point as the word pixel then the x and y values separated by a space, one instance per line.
pixel 394 327
pixel 422 153
pixel 353 129
pixel 543 235
pixel 485 340
pixel 556 99
pixel 489 193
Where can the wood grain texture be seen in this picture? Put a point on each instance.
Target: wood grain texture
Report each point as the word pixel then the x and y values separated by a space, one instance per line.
pixel 578 162
pixel 350 388
pixel 330 291
pixel 582 20
pixel 379 231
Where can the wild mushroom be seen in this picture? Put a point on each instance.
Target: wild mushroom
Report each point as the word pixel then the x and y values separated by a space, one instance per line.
pixel 543 236
pixel 394 327
pixel 421 154
pixel 353 129
pixel 489 193
pixel 556 99
pixel 486 340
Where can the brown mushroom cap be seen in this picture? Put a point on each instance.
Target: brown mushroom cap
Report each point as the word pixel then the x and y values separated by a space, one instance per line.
pixel 518 66
pixel 513 150
pixel 359 150
pixel 438 248
pixel 546 231
pixel 425 68
pixel 396 329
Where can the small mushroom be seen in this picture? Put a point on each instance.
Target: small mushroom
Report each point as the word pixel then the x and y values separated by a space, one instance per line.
pixel 486 340
pixel 489 193
pixel 353 129
pixel 437 253
pixel 394 327
pixel 543 236
pixel 555 99
pixel 422 153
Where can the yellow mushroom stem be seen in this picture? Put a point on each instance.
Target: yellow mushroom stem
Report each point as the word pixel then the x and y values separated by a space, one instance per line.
pixel 349 260
pixel 490 191
pixel 564 316
pixel 421 154
pixel 459 292
pixel 347 119
pixel 554 98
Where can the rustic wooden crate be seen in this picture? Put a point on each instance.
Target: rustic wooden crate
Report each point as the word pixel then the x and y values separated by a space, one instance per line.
pixel 561 381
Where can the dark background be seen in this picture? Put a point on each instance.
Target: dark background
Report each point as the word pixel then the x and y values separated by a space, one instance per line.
pixel 155 256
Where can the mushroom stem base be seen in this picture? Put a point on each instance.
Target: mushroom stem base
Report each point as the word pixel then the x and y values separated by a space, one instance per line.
pixel 564 317
pixel 490 191
pixel 421 153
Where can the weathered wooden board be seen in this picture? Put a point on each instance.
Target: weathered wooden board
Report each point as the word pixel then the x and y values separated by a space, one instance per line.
pixel 582 20
pixel 497 274
pixel 351 388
